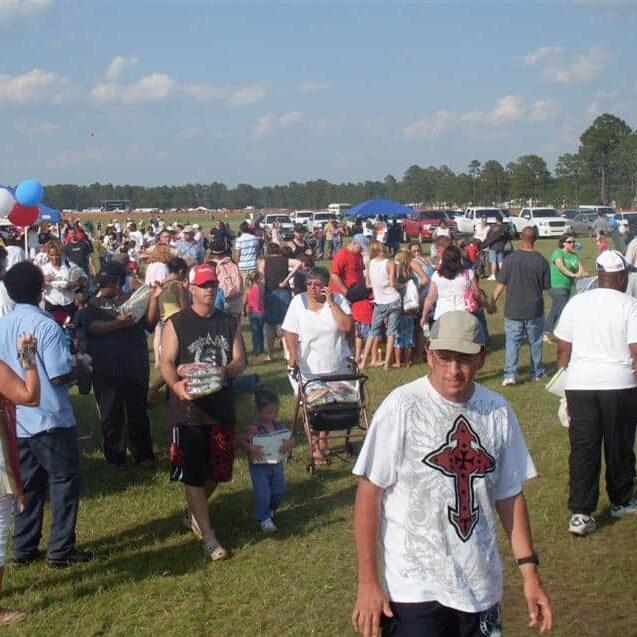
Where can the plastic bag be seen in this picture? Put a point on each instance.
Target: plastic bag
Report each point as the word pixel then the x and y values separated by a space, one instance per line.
pixel 202 379
pixel 137 303
pixel 411 300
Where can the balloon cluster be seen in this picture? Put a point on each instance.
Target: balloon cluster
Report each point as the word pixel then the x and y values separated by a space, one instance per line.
pixel 22 209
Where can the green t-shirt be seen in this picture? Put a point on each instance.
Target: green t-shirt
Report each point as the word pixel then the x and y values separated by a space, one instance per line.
pixel 571 262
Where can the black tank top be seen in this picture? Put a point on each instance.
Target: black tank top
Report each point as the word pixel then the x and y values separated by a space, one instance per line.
pixel 299 250
pixel 204 340
pixel 275 271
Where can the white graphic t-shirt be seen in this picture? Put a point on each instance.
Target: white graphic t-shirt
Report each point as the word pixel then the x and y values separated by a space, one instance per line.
pixel 443 466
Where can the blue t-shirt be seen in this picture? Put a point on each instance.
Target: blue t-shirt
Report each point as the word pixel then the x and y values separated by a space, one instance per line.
pixel 53 360
pixel 249 245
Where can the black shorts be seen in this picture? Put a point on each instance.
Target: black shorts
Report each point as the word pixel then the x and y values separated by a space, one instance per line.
pixel 435 620
pixel 199 453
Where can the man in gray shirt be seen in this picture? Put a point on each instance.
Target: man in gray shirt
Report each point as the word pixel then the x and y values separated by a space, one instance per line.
pixel 525 274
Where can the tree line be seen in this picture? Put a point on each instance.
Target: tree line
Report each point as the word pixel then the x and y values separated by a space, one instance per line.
pixel 603 170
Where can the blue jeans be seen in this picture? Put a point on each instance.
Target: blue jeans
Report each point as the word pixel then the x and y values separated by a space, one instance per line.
pixel 514 331
pixel 256 329
pixel 389 311
pixel 560 297
pixel 268 485
pixel 49 466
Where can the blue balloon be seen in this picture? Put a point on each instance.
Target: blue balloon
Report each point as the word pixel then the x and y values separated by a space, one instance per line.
pixel 29 192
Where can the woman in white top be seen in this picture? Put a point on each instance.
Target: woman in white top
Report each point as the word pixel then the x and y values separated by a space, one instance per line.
pixel 387 302
pixel 448 285
pixel 315 330
pixel 61 281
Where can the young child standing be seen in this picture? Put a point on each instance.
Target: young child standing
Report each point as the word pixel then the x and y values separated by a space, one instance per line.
pixel 268 480
pixel 404 344
pixel 602 244
pixel 254 310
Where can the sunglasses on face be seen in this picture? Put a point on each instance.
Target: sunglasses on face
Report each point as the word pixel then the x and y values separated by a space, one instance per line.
pixel 569 242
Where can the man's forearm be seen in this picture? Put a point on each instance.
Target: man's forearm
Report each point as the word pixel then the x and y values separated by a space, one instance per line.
pixel 336 279
pixel 366 523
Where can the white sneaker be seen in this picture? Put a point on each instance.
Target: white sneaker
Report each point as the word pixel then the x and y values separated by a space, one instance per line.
pixel 630 508
pixel 267 526
pixel 508 381
pixel 213 550
pixel 581 524
pixel 491 278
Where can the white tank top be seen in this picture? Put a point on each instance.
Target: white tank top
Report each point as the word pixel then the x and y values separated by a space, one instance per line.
pixel 384 293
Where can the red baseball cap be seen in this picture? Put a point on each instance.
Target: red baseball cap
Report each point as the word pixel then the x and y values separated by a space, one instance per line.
pixel 202 274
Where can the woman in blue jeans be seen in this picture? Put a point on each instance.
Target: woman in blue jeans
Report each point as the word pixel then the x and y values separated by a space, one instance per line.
pixel 387 302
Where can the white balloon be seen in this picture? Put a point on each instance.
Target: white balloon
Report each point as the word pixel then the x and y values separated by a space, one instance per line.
pixel 7 201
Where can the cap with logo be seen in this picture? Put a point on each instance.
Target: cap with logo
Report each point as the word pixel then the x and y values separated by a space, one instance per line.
pixel 202 274
pixel 457 331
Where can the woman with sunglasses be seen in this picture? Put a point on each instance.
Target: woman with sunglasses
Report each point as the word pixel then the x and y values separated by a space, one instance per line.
pixel 565 269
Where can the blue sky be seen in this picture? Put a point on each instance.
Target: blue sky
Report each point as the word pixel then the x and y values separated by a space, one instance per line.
pixel 268 92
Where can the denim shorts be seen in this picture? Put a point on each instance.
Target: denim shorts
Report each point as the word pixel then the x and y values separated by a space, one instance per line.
pixel 389 311
pixel 497 256
pixel 361 329
pixel 276 305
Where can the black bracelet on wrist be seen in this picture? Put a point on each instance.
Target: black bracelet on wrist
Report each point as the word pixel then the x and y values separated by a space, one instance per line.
pixel 531 559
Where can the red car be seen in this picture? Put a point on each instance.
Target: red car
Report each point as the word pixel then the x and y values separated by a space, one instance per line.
pixel 421 224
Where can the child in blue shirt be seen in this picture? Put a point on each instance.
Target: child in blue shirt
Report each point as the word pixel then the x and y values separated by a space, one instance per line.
pixel 268 480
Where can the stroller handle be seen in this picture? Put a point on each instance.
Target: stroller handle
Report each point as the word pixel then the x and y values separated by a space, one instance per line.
pixel 335 377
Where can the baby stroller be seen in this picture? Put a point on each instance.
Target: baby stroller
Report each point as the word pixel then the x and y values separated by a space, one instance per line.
pixel 335 404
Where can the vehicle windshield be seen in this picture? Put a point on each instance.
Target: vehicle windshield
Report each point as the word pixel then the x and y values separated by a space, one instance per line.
pixel 545 212
pixel 324 216
pixel 303 215
pixel 433 214
pixel 279 218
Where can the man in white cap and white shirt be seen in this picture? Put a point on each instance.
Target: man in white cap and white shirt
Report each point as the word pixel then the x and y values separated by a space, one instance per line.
pixel 189 250
pixel 597 345
pixel 442 457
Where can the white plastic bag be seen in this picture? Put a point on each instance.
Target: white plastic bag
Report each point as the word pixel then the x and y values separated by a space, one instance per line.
pixel 137 303
pixel 411 300
pixel 562 413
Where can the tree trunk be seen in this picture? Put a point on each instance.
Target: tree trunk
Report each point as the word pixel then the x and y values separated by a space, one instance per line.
pixel 603 196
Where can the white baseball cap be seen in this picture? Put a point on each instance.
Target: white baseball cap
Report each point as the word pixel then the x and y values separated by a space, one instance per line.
pixel 613 261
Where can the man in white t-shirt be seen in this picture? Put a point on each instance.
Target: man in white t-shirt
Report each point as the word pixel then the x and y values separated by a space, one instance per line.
pixel 442 456
pixel 597 344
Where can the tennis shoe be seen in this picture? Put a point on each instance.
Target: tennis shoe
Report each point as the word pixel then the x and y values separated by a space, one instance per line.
pixel 620 511
pixel 582 524
pixel 268 527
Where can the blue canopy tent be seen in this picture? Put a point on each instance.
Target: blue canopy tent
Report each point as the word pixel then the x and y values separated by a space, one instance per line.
pixel 49 215
pixel 379 207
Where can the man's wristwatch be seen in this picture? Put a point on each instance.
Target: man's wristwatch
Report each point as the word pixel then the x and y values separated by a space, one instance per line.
pixel 531 559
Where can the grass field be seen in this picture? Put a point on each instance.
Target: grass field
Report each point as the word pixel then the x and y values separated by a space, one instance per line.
pixel 149 576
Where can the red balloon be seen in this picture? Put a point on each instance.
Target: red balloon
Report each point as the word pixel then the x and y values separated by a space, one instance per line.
pixel 23 215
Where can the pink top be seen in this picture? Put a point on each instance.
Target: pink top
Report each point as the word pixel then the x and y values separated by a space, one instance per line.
pixel 253 298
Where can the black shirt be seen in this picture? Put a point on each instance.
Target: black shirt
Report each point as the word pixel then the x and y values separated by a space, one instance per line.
pixel 204 340
pixel 79 252
pixel 526 275
pixel 123 352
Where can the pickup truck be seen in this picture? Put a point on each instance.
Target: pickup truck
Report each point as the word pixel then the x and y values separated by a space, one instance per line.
pixel 546 221
pixel 420 225
pixel 468 221
pixel 286 227
pixel 302 217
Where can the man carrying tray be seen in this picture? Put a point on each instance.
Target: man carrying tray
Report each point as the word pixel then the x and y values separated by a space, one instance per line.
pixel 203 446
pixel 442 456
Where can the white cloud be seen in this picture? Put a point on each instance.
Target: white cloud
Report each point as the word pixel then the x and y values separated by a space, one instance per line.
pixel 287 119
pixel 119 64
pixel 583 68
pixel 541 54
pixel 31 129
pixel 206 92
pixel 430 127
pixel 542 111
pixel 305 88
pixel 13 9
pixel 152 88
pixel 247 95
pixel 509 108
pixel 192 133
pixel 72 158
pixel 593 110
pixel 265 125
pixel 326 125
pixel 34 86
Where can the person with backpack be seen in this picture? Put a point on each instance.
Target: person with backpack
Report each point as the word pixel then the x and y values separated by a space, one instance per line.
pixel 229 275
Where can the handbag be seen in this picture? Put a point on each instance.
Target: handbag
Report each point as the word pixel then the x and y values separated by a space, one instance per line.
pixel 471 303
pixel 411 300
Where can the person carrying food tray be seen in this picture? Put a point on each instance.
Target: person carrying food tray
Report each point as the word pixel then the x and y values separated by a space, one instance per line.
pixel 203 435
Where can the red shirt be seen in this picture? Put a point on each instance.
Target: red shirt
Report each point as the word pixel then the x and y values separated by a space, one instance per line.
pixel 472 252
pixel 253 299
pixel 350 268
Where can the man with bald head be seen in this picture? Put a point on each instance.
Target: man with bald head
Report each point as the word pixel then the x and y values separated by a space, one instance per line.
pixel 597 345
pixel 525 274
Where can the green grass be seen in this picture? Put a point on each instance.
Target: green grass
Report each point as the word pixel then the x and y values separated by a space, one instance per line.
pixel 149 576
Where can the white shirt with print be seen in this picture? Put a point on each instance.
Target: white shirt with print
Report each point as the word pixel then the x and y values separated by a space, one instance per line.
pixel 443 466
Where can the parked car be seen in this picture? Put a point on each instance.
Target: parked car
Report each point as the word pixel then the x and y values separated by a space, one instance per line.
pixel 582 223
pixel 319 219
pixel 302 217
pixel 546 221
pixel 471 218
pixel 421 224
pixel 571 213
pixel 286 225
